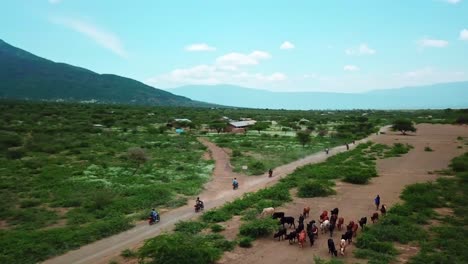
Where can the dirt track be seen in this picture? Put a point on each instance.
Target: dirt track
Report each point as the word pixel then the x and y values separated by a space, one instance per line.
pixel 217 192
pixel 355 201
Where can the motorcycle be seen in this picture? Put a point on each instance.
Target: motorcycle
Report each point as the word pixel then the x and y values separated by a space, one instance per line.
pixel 198 207
pixel 153 220
pixel 235 185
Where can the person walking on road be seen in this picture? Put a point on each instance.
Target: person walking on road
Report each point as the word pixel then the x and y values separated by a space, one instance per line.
pixel 377 202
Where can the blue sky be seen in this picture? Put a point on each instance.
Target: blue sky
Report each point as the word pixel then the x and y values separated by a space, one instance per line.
pixel 333 45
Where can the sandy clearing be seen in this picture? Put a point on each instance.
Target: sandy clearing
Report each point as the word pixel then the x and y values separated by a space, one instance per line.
pixel 356 201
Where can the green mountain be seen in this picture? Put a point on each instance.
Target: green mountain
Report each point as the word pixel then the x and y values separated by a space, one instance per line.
pixel 26 76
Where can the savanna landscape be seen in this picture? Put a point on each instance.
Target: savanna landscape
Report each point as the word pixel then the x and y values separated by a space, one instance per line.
pixel 216 132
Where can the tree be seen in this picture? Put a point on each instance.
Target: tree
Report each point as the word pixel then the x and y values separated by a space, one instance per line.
pixel 218 126
pixel 303 137
pixel 403 125
pixel 259 126
pixel 137 156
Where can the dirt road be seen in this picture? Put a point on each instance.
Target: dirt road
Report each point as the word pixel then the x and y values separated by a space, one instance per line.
pixel 217 192
pixel 356 201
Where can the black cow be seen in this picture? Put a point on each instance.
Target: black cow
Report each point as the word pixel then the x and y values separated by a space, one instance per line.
pixel 311 237
pixel 334 211
pixel 301 219
pixel 331 227
pixel 300 227
pixel 291 236
pixel 331 247
pixel 277 215
pixel 363 222
pixel 348 236
pixel 375 217
pixel 280 234
pixel 288 220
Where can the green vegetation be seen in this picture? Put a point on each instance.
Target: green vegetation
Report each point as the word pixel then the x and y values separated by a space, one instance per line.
pixel 403 125
pixel 428 149
pixel 316 188
pixel 444 235
pixel 258 227
pixel 246 242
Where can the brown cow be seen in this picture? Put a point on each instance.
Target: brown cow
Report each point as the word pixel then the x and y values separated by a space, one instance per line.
pixel 306 212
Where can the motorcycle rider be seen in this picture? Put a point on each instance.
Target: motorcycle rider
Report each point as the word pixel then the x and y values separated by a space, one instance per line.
pixel 199 204
pixel 154 215
pixel 235 183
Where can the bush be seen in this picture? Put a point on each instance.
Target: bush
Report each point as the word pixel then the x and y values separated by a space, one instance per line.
pixel 180 248
pixel 357 178
pixel 428 149
pixel 128 253
pixel 259 227
pixel 190 227
pixel 217 228
pixel 15 153
pixel 257 167
pixel 315 188
pixel 9 139
pixel 236 153
pixel 215 216
pixel 460 164
pixel 245 242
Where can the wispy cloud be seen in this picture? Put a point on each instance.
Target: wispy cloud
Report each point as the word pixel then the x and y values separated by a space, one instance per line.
pixel 105 39
pixel 351 68
pixel 55 1
pixel 464 34
pixel 287 45
pixel 236 59
pixel 433 43
pixel 230 68
pixel 362 49
pixel 454 2
pixel 199 47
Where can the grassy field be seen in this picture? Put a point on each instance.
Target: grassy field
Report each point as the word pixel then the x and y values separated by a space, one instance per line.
pixel 432 217
pixel 73 173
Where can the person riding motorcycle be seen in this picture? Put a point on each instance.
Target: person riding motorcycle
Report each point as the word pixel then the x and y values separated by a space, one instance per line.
pixel 154 215
pixel 199 204
pixel 235 184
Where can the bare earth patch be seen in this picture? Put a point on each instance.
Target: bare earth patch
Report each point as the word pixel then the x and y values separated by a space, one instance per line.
pixel 356 201
pixel 406 252
pixel 4 225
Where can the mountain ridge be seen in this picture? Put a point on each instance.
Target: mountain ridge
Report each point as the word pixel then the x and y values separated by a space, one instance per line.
pixel 27 76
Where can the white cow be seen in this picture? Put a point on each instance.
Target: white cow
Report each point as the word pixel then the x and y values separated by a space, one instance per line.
pixel 324 226
pixel 268 211
pixel 342 246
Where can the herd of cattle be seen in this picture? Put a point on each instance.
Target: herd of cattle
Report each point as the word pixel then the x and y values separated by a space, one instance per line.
pixel 326 224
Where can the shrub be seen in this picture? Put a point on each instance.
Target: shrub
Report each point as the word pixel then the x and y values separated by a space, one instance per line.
pixel 128 253
pixel 9 139
pixel 217 228
pixel 357 178
pixel 460 164
pixel 190 227
pixel 258 227
pixel 428 149
pixel 236 153
pixel 257 167
pixel 215 216
pixel 180 248
pixel 15 153
pixel 315 188
pixel 245 242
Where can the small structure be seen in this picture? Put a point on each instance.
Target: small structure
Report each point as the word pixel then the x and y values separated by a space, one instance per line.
pixel 239 126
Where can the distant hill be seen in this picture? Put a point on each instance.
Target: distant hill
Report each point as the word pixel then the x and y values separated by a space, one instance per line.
pixel 26 76
pixel 437 96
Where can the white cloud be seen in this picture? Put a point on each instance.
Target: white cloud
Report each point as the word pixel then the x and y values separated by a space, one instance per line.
pixel 287 45
pixel 55 1
pixel 235 58
pixel 351 68
pixel 104 38
pixel 362 49
pixel 433 43
pixel 199 47
pixel 453 1
pixel 214 74
pixel 464 34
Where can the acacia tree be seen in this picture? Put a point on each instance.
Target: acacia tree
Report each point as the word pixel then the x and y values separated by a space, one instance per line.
pixel 403 125
pixel 303 137
pixel 137 156
pixel 259 126
pixel 218 126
